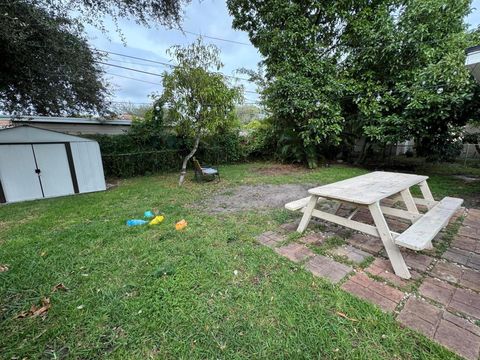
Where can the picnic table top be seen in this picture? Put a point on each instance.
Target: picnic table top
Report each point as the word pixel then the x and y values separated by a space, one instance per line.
pixel 369 188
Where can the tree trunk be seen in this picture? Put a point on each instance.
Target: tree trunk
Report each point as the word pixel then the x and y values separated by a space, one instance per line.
pixel 186 159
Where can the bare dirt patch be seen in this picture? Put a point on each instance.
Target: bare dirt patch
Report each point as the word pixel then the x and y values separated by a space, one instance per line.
pixel 255 197
pixel 280 169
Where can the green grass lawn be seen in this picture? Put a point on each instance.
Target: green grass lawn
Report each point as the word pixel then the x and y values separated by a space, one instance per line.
pixel 153 292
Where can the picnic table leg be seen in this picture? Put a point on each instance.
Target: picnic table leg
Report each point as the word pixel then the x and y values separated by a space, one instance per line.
pixel 307 214
pixel 427 194
pixel 393 252
pixel 408 200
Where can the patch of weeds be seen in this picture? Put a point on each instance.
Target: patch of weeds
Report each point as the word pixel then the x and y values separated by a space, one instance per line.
pixel 316 226
pixel 343 259
pixel 333 242
pixel 293 236
pixel 366 262
pixel 448 236
pixel 329 244
pixel 232 237
pixel 129 288
pixel 283 216
pixel 164 270
pixel 408 288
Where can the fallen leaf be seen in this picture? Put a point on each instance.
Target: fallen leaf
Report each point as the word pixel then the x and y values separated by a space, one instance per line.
pixel 41 310
pixel 43 253
pixel 3 268
pixel 36 310
pixel 345 316
pixel 59 286
pixel 22 314
pixel 80 307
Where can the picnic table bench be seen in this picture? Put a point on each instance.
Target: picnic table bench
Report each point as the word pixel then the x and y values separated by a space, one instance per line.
pixel 368 191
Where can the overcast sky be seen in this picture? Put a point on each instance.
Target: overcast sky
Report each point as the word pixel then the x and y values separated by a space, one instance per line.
pixel 208 17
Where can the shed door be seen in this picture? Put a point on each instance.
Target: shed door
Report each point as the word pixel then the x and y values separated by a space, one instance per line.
pixel 55 176
pixel 17 173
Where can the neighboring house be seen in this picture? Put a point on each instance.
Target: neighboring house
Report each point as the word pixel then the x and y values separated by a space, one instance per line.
pixel 472 62
pixel 74 126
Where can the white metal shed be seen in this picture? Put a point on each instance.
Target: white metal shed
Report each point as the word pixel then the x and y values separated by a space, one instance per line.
pixel 37 163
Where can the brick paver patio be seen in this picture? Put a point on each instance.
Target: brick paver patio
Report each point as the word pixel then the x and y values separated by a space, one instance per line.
pixel 383 295
pixel 313 238
pixel 450 330
pixel 451 297
pixel 295 252
pixel 351 253
pixel 270 239
pixel 327 268
pixel 441 300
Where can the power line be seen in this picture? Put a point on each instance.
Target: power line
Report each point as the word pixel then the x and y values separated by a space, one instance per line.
pixel 137 63
pixel 132 62
pixel 128 68
pixel 216 38
pixel 149 73
pixel 131 102
pixel 132 78
pixel 163 63
pixel 136 57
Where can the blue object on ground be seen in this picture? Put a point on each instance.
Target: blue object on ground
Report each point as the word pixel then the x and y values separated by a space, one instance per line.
pixel 136 222
pixel 148 214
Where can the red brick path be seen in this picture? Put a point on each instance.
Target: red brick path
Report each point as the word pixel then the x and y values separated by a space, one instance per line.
pixel 442 299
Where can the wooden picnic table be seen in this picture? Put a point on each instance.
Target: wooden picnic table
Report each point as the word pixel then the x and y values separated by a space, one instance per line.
pixel 368 191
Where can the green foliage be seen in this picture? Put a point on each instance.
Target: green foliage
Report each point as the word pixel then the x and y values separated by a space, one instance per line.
pixel 47 66
pixel 387 70
pixel 145 12
pixel 302 87
pixel 133 154
pixel 248 113
pixel 415 85
pixel 197 97
pixel 260 139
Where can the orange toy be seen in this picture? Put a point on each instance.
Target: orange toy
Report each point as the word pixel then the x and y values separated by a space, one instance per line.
pixel 182 224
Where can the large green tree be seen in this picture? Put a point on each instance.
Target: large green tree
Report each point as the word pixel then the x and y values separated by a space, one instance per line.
pixel 198 98
pixel 405 65
pixel 389 70
pixel 46 64
pixel 302 87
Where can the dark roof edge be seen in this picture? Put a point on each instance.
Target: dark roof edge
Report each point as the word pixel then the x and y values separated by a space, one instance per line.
pixel 472 49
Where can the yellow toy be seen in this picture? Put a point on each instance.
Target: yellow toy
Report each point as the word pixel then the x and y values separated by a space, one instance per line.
pixel 157 220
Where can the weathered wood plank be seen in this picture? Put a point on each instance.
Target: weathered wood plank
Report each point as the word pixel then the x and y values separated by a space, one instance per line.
pixel 297 204
pixel 368 189
pixel 402 214
pixel 420 234
pixel 307 215
pixel 393 252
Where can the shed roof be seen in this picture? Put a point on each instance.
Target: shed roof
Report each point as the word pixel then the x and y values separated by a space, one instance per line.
pixel 30 134
pixel 65 120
